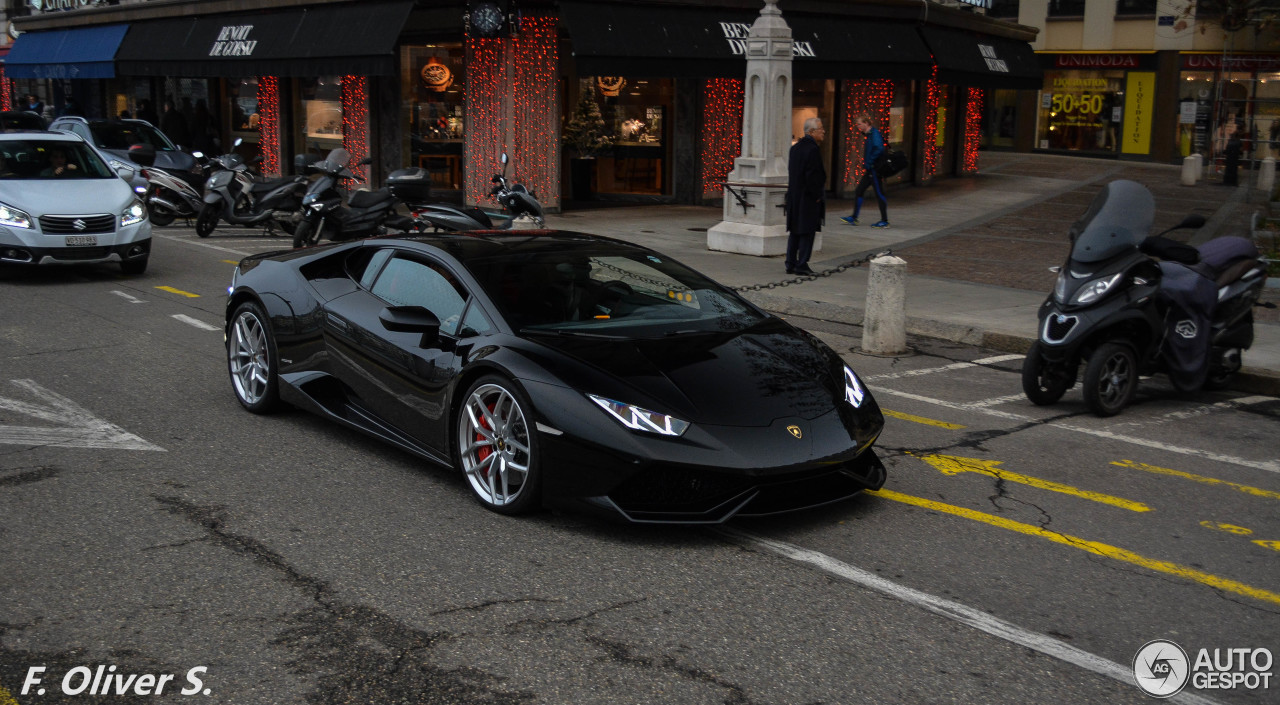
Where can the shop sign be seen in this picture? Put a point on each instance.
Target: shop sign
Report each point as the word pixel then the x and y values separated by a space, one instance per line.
pixel 1096 61
pixel 1139 99
pixel 1248 62
pixel 736 34
pixel 61 5
pixel 233 40
pixel 994 63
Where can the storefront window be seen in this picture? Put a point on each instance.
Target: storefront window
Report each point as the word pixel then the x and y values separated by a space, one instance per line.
pixel 999 122
pixel 1195 105
pixel 1081 111
pixel 320 108
pixel 636 113
pixel 243 104
pixel 1266 116
pixel 432 82
pixel 815 98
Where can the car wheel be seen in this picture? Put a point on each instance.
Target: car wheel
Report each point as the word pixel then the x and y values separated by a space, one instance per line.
pixel 497 449
pixel 1044 383
pixel 308 233
pixel 1110 379
pixel 207 220
pixel 134 267
pixel 160 216
pixel 251 359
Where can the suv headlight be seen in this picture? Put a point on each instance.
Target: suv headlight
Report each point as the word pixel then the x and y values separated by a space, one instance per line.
pixel 854 392
pixel 134 214
pixel 637 419
pixel 1095 289
pixel 13 217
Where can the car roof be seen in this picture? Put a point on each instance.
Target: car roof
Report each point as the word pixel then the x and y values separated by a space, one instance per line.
pixel 49 135
pixel 479 244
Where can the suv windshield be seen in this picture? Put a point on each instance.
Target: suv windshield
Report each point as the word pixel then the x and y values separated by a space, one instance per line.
pixel 50 159
pixel 616 292
pixel 123 135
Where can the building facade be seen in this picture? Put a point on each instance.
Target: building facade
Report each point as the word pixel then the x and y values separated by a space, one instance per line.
pixel 449 85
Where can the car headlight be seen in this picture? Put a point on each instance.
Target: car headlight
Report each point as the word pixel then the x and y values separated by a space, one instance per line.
pixel 637 419
pixel 1095 289
pixel 134 214
pixel 853 390
pixel 13 217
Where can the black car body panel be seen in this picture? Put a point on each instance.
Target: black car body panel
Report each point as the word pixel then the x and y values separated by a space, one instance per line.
pixel 769 430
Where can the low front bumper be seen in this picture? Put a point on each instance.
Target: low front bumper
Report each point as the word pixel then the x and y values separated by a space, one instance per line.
pixel 33 248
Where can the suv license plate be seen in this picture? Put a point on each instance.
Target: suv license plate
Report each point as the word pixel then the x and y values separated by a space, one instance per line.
pixel 81 240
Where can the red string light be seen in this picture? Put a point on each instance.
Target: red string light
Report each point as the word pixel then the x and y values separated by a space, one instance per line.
pixel 972 130
pixel 6 90
pixel 355 121
pixel 722 100
pixel 874 98
pixel 536 148
pixel 486 86
pixel 269 124
pixel 933 96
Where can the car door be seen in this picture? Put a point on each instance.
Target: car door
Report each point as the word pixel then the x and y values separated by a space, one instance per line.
pixel 395 376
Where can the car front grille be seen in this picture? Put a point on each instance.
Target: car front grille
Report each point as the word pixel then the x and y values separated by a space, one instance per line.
pixel 77 224
pixel 676 487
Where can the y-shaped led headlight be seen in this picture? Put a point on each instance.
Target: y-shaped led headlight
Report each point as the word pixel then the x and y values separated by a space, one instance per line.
pixel 853 391
pixel 637 419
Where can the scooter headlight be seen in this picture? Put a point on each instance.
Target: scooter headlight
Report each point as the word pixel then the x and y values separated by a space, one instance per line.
pixel 1060 288
pixel 1095 289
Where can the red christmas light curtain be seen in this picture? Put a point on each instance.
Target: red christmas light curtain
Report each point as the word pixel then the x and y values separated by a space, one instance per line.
pixel 874 98
pixel 932 96
pixel 269 124
pixel 972 130
pixel 486 86
pixel 536 149
pixel 722 100
pixel 6 90
pixel 355 122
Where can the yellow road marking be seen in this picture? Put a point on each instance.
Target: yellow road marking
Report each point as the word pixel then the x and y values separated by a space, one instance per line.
pixel 1229 528
pixel 1273 545
pixel 954 465
pixel 6 698
pixel 1197 478
pixel 1094 547
pixel 230 261
pixel 179 292
pixel 920 419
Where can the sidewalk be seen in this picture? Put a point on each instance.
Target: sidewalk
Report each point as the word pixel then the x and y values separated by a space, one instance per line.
pixel 977 249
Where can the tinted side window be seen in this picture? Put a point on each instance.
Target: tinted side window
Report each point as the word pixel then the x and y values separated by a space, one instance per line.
pixel 475 322
pixel 373 267
pixel 406 282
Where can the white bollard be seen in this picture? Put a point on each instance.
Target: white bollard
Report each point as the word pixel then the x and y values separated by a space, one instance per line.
pixel 1199 165
pixel 1190 169
pixel 1267 176
pixel 884 329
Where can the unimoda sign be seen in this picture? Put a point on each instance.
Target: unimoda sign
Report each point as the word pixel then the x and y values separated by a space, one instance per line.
pixel 233 40
pixel 1096 61
pixel 736 33
pixel 60 5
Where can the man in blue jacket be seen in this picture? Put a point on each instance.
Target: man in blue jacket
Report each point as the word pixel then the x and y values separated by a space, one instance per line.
pixel 870 177
pixel 806 202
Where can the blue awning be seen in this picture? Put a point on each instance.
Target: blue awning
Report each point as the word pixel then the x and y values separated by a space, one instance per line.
pixel 87 52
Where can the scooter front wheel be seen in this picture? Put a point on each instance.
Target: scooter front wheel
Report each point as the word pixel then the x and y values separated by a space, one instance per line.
pixel 1110 379
pixel 308 233
pixel 160 216
pixel 1043 382
pixel 207 220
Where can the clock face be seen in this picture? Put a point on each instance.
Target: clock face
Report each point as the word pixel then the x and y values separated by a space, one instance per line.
pixel 486 18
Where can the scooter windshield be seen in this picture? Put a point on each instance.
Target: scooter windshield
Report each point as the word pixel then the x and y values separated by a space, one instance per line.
pixel 336 161
pixel 1118 219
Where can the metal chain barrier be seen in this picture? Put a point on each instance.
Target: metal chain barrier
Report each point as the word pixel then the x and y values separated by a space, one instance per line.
pixel 812 277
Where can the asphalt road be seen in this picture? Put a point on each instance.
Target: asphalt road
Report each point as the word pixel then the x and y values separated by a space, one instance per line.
pixel 1017 554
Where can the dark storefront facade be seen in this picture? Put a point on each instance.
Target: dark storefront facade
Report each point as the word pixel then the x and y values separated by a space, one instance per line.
pixel 416 84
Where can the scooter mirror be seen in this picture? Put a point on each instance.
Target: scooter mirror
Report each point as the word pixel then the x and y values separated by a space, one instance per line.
pixel 237 143
pixel 1193 220
pixel 504 158
pixel 367 160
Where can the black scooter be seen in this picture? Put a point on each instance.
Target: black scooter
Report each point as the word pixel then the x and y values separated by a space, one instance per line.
pixel 235 195
pixel 367 213
pixel 514 198
pixel 1124 313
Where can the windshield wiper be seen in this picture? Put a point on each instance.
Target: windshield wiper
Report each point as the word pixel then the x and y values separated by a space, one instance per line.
pixel 573 333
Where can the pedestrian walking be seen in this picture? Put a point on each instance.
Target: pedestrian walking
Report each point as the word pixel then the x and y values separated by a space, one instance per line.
pixel 871 156
pixel 806 202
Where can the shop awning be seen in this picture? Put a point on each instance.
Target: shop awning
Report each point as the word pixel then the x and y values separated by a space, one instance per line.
pixel 700 42
pixel 323 40
pixel 982 60
pixel 86 52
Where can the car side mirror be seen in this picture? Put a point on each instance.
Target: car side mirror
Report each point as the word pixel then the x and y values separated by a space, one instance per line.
pixel 411 319
pixel 126 172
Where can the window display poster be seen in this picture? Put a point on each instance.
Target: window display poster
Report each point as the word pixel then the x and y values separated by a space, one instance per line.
pixel 1139 97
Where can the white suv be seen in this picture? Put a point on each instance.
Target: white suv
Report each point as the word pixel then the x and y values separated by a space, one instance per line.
pixel 61 204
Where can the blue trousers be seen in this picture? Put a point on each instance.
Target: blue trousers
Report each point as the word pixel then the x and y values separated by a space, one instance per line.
pixel 871 178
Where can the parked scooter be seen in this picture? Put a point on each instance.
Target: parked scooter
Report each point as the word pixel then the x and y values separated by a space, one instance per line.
pixel 367 213
pixel 514 198
pixel 235 195
pixel 1123 313
pixel 169 196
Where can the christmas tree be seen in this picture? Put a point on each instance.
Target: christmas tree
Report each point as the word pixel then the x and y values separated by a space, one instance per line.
pixel 584 133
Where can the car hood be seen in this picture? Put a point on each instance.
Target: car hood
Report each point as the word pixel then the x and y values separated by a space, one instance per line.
pixel 67 196
pixel 748 378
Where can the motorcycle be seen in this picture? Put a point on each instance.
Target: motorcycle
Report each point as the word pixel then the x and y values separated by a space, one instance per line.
pixel 367 213
pixel 515 199
pixel 168 195
pixel 235 195
pixel 1127 305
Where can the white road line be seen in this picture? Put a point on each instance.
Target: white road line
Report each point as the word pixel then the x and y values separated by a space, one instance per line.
pixel 997 358
pixel 995 401
pixel 1267 465
pixel 77 428
pixel 1196 411
pixel 1245 401
pixel 201 244
pixel 194 322
pixel 946 368
pixel 129 298
pixel 949 609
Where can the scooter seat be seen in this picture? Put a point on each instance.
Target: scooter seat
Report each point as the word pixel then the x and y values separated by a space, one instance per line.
pixel 1228 258
pixel 365 199
pixel 264 185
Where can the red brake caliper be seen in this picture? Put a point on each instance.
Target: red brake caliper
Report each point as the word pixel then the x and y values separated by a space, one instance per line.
pixel 486 451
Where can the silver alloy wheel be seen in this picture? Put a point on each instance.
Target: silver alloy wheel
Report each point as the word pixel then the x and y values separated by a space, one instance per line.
pixel 248 356
pixel 493 439
pixel 1115 379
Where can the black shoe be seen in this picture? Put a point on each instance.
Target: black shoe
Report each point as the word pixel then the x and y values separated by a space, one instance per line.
pixel 790 270
pixel 804 270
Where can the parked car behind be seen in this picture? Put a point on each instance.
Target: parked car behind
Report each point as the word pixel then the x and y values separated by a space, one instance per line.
pixel 11 120
pixel 114 138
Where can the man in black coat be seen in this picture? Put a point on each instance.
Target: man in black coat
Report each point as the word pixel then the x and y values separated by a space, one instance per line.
pixel 806 205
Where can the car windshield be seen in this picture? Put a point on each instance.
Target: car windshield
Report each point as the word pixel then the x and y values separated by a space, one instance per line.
pixel 50 159
pixel 123 135
pixel 608 292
